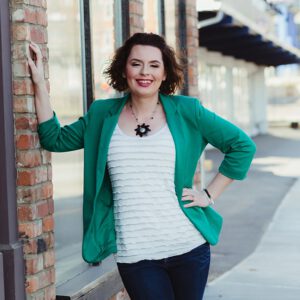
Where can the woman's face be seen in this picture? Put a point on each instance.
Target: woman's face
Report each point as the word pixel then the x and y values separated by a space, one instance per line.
pixel 144 70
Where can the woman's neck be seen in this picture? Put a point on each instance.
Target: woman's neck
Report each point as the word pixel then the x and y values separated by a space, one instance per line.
pixel 144 105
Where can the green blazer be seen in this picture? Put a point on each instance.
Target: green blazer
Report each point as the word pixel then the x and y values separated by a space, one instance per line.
pixel 192 127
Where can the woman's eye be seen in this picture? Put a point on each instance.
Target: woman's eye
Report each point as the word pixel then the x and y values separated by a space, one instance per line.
pixel 155 66
pixel 135 64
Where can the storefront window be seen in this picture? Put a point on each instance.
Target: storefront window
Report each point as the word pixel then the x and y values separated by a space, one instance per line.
pixel 170 22
pixel 65 67
pixel 212 85
pixel 103 37
pixel 241 97
pixel 152 16
pixel 225 91
pixel 66 96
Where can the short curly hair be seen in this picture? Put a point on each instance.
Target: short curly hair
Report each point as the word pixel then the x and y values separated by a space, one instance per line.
pixel 174 70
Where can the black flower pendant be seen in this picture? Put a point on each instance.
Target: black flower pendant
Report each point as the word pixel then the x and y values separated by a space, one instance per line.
pixel 142 130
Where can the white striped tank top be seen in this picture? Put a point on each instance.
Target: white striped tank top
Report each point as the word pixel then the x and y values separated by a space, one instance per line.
pixel 149 222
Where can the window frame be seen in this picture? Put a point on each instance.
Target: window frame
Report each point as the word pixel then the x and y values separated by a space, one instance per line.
pixel 101 280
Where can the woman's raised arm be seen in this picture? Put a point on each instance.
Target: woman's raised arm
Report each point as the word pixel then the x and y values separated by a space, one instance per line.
pixel 52 136
pixel 42 102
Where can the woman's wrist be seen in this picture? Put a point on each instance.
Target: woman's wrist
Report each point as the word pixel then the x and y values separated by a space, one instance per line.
pixel 40 85
pixel 208 197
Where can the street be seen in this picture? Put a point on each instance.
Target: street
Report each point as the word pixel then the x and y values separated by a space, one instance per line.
pixel 248 206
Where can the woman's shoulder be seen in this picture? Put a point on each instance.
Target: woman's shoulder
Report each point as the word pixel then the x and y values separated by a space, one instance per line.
pixel 184 102
pixel 106 103
pixel 101 107
pixel 183 99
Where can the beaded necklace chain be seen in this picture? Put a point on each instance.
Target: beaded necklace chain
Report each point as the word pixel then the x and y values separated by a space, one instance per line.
pixel 143 129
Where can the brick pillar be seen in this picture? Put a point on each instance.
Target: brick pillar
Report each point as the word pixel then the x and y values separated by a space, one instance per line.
pixel 136 21
pixel 192 42
pixel 34 187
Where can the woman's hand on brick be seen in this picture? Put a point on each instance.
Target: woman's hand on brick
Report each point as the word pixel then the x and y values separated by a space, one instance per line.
pixel 42 102
pixel 35 62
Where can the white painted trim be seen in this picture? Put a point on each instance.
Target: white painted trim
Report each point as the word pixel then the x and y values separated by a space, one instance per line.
pixel 215 20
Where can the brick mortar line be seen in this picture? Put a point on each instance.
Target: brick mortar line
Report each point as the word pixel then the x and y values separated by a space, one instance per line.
pixel 30 25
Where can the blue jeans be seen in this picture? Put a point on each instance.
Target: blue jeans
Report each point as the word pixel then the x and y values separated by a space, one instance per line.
pixel 180 277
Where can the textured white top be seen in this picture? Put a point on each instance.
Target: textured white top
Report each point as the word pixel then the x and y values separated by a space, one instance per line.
pixel 149 222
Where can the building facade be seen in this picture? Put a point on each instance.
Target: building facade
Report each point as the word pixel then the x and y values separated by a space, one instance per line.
pixel 40 213
pixel 41 194
pixel 240 43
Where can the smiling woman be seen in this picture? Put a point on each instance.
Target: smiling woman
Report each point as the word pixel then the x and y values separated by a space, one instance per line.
pixel 164 54
pixel 140 156
pixel 145 70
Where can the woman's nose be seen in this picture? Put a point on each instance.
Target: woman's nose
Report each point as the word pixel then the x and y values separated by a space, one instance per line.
pixel 144 70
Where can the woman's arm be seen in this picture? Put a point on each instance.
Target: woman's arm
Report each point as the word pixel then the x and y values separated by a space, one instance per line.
pixel 215 188
pixel 218 184
pixel 238 148
pixel 52 136
pixel 42 102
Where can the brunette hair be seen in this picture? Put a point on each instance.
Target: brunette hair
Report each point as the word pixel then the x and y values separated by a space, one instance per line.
pixel 174 71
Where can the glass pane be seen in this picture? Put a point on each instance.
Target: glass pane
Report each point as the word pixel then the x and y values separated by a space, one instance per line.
pixel 103 37
pixel 152 15
pixel 66 97
pixel 212 85
pixel 225 90
pixel 241 97
pixel 170 23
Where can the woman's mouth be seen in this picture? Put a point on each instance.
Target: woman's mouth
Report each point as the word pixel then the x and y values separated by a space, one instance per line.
pixel 143 82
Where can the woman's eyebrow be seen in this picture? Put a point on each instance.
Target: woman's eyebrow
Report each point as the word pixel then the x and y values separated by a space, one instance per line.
pixel 139 60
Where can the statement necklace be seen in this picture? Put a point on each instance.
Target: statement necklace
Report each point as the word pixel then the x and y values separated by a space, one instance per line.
pixel 143 129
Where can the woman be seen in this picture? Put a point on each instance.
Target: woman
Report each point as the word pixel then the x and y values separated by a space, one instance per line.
pixel 141 152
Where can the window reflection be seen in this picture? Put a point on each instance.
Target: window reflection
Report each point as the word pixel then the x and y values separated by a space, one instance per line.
pixel 170 22
pixel 66 98
pixel 103 44
pixel 152 13
pixel 225 91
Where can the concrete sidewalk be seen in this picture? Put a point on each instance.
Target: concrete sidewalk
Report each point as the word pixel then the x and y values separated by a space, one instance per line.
pixel 272 271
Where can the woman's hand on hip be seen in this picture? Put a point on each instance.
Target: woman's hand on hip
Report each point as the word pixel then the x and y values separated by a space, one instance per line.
pixel 35 62
pixel 196 198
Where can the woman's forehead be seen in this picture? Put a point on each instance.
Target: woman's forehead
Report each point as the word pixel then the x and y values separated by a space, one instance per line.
pixel 145 52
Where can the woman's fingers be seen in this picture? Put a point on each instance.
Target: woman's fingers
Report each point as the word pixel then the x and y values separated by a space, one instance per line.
pixel 35 47
pixel 195 197
pixel 36 51
pixel 191 204
pixel 31 64
pixel 36 63
pixel 188 197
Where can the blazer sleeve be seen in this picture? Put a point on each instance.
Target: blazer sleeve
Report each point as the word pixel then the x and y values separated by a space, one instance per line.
pixel 55 138
pixel 237 146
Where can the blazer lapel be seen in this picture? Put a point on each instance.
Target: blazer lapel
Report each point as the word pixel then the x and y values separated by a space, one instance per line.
pixel 173 120
pixel 109 125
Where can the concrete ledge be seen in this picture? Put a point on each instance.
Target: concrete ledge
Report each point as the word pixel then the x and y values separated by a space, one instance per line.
pixel 97 283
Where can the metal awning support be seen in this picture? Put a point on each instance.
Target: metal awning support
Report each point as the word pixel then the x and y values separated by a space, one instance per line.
pixel 237 37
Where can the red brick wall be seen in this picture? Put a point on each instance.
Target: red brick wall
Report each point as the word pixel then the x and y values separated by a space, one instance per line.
pixel 192 62
pixel 136 16
pixel 192 46
pixel 34 187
